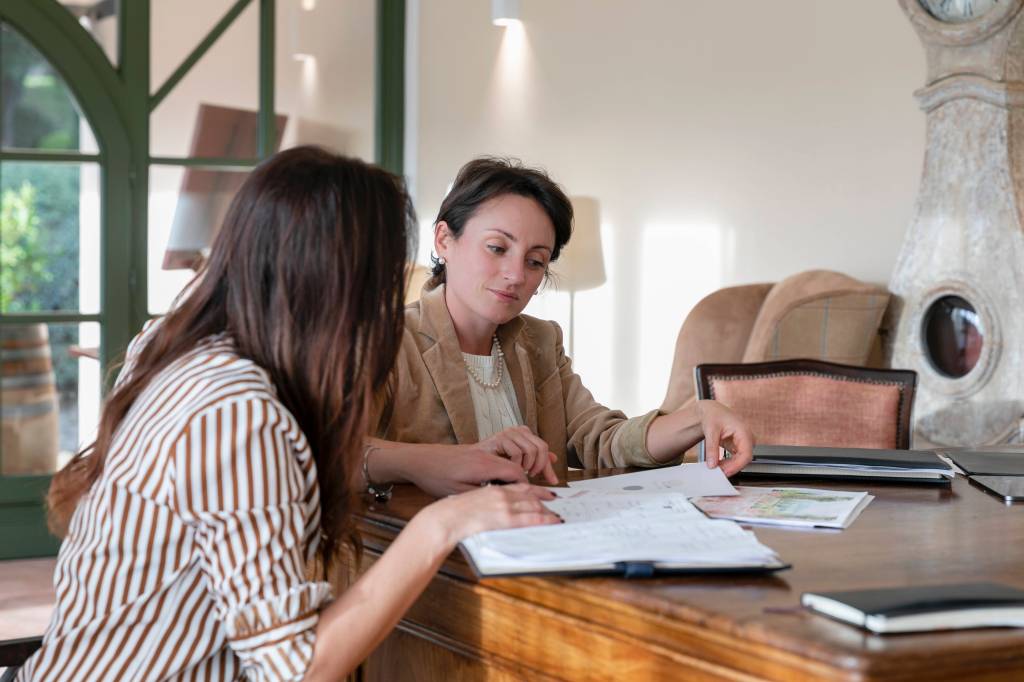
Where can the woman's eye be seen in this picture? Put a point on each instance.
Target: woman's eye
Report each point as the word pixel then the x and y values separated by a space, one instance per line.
pixel 536 263
pixel 494 248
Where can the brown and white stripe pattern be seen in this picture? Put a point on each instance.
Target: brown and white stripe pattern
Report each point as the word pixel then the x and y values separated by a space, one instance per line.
pixel 187 559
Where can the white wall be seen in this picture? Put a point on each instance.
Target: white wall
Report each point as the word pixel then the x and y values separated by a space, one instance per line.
pixel 728 142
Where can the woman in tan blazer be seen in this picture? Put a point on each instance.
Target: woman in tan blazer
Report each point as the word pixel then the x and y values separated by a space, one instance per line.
pixel 482 392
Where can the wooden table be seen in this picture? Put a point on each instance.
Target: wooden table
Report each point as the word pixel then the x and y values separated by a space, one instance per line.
pixel 719 627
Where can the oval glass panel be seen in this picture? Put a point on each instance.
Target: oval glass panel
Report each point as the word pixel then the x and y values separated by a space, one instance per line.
pixel 37 108
pixel 953 336
pixel 958 11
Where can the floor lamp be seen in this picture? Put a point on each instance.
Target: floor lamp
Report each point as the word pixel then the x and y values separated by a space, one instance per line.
pixel 581 264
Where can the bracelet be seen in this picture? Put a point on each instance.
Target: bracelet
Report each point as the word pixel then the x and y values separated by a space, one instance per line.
pixel 381 493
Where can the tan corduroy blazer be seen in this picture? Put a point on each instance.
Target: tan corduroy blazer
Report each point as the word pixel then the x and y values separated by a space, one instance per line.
pixel 428 400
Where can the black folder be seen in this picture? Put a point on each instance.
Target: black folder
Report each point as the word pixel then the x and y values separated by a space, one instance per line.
pixel 791 461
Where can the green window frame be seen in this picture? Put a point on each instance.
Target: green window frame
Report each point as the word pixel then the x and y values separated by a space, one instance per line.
pixel 117 102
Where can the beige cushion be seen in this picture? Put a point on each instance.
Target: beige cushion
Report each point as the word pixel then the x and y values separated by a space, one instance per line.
pixel 818 314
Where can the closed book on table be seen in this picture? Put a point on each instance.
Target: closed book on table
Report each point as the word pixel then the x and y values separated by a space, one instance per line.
pixel 988 463
pixel 791 461
pixel 918 609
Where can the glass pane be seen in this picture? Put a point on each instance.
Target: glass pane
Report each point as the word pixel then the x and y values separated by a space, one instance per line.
pixel 186 208
pixel 188 28
pixel 49 394
pixel 49 237
pixel 325 68
pixel 212 111
pixel 99 18
pixel 953 335
pixel 37 108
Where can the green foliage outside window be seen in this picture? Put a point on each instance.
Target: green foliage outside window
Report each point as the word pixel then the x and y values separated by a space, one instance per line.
pixel 46 277
pixel 22 265
pixel 38 111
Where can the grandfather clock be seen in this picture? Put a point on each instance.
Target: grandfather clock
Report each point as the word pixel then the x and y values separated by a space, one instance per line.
pixel 959 279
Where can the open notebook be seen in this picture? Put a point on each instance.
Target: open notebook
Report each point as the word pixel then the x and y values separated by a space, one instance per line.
pixel 630 534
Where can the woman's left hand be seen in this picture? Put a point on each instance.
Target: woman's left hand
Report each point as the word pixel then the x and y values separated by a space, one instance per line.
pixel 724 428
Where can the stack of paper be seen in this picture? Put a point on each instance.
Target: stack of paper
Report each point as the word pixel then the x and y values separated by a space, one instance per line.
pixel 610 532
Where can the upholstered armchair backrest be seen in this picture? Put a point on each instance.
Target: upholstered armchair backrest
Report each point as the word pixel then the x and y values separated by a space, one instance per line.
pixel 801 402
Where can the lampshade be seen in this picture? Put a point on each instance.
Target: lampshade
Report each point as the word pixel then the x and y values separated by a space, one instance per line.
pixel 580 265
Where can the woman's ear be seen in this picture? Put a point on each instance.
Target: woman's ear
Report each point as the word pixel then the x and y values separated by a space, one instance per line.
pixel 442 239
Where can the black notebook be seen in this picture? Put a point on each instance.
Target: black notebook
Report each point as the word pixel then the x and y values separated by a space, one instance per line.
pixel 791 461
pixel 989 463
pixel 919 609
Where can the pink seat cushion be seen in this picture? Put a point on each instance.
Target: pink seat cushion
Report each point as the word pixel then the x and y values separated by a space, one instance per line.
pixel 809 409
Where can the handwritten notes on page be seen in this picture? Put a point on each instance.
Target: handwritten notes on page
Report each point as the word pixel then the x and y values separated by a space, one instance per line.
pixel 692 480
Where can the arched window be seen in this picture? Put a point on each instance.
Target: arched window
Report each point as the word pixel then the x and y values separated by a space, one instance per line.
pixel 127 127
pixel 59 141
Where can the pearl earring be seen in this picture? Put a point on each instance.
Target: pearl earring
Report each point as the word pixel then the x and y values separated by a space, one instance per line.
pixel 441 260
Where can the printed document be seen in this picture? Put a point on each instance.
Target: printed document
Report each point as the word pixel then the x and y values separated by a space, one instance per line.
pixel 803 507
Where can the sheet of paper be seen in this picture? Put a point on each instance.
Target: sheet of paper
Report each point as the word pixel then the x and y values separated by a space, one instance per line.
pixel 803 507
pixel 692 480
pixel 580 506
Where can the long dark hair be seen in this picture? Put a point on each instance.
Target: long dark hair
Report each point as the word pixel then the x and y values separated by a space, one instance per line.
pixel 307 276
pixel 489 177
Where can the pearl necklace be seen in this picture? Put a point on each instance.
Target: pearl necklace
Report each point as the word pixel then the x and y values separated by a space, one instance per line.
pixel 498 372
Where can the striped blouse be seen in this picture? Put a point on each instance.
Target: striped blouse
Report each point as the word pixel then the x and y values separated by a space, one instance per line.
pixel 187 558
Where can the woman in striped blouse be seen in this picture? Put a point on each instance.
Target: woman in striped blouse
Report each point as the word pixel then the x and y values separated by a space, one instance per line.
pixel 228 455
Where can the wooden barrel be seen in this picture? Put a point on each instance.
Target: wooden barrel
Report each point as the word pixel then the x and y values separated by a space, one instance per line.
pixel 28 401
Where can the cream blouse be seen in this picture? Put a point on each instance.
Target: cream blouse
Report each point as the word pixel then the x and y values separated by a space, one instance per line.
pixel 496 408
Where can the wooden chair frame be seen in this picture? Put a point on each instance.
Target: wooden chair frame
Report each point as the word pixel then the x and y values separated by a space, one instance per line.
pixel 904 379
pixel 14 652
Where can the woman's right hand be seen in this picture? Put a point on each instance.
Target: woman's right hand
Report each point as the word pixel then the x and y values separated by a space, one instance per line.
pixel 526 449
pixel 492 507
